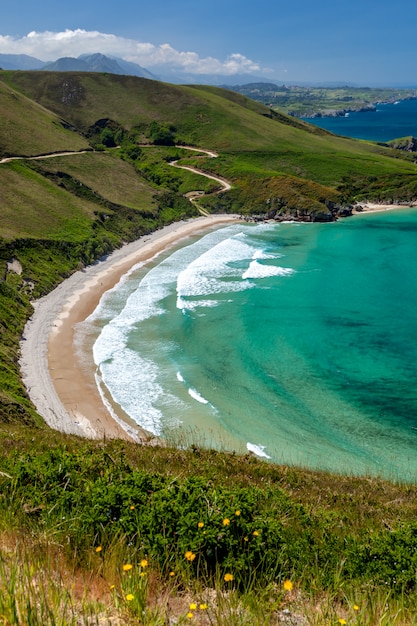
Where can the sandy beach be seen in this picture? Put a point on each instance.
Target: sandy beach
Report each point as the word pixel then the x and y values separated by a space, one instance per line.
pixel 372 207
pixel 63 389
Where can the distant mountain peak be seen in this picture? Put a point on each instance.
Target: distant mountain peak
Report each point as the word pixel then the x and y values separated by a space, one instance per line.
pixel 20 62
pixel 91 62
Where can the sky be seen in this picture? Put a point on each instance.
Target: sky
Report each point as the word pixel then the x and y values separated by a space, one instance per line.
pixel 362 42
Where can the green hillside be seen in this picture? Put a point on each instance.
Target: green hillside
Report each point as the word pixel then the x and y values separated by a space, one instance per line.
pixel 257 146
pixel 28 128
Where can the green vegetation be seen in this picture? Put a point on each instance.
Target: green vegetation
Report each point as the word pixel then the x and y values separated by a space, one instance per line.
pixel 312 101
pixel 27 128
pixel 199 527
pixel 255 143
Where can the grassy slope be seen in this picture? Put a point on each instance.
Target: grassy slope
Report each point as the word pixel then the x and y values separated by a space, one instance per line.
pixel 108 176
pixel 45 210
pixel 27 128
pixel 206 117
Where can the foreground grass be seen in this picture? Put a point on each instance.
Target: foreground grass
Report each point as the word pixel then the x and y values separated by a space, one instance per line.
pixel 112 532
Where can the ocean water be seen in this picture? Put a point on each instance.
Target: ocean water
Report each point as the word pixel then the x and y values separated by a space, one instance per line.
pixel 295 341
pixel 389 121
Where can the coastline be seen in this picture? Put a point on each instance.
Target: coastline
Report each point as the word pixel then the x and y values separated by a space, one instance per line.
pixel 373 207
pixel 63 390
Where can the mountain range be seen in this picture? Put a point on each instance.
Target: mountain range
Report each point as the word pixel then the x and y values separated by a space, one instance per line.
pixel 115 65
pixel 84 63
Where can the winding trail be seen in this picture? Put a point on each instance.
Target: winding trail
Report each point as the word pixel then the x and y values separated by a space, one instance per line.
pixel 223 182
pixel 191 195
pixel 39 157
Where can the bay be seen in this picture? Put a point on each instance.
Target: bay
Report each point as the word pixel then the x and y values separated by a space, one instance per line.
pixel 389 121
pixel 294 341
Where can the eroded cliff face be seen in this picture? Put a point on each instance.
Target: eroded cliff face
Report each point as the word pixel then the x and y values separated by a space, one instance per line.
pixel 409 144
pixel 333 212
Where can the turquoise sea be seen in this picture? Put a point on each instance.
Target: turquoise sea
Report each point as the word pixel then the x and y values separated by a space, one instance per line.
pixel 295 341
pixel 389 121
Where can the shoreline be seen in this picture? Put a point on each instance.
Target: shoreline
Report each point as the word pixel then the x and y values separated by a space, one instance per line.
pixel 64 390
pixel 374 207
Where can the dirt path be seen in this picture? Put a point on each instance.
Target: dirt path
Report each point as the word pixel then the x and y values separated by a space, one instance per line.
pixel 191 195
pixel 41 156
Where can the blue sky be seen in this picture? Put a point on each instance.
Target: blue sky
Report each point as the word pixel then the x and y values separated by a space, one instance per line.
pixel 361 41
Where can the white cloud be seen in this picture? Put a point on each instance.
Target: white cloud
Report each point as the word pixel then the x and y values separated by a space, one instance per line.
pixel 48 46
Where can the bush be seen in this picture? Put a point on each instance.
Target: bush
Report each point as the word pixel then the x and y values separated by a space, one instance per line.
pixel 161 134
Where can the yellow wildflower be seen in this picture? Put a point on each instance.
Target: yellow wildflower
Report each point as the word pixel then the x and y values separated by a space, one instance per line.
pixel 132 507
pixel 228 577
pixel 190 556
pixel 144 563
pixel 200 524
pixel 127 567
pixel 237 513
pixel 288 585
pixel 355 607
pixel 203 606
pixel 112 586
pixel 193 606
pixel 255 533
pixel 245 538
pixel 190 615
pixel 99 549
pixel 172 573
pixel 342 621
pixel 130 597
pixel 226 521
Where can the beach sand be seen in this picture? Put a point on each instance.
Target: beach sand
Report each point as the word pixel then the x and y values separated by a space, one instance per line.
pixel 371 207
pixel 64 390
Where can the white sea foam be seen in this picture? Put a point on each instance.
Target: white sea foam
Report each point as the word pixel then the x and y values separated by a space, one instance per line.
pixel 260 270
pixel 110 409
pixel 194 394
pixel 261 254
pixel 135 388
pixel 132 379
pixel 189 305
pixel 216 271
pixel 258 450
pixel 202 273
